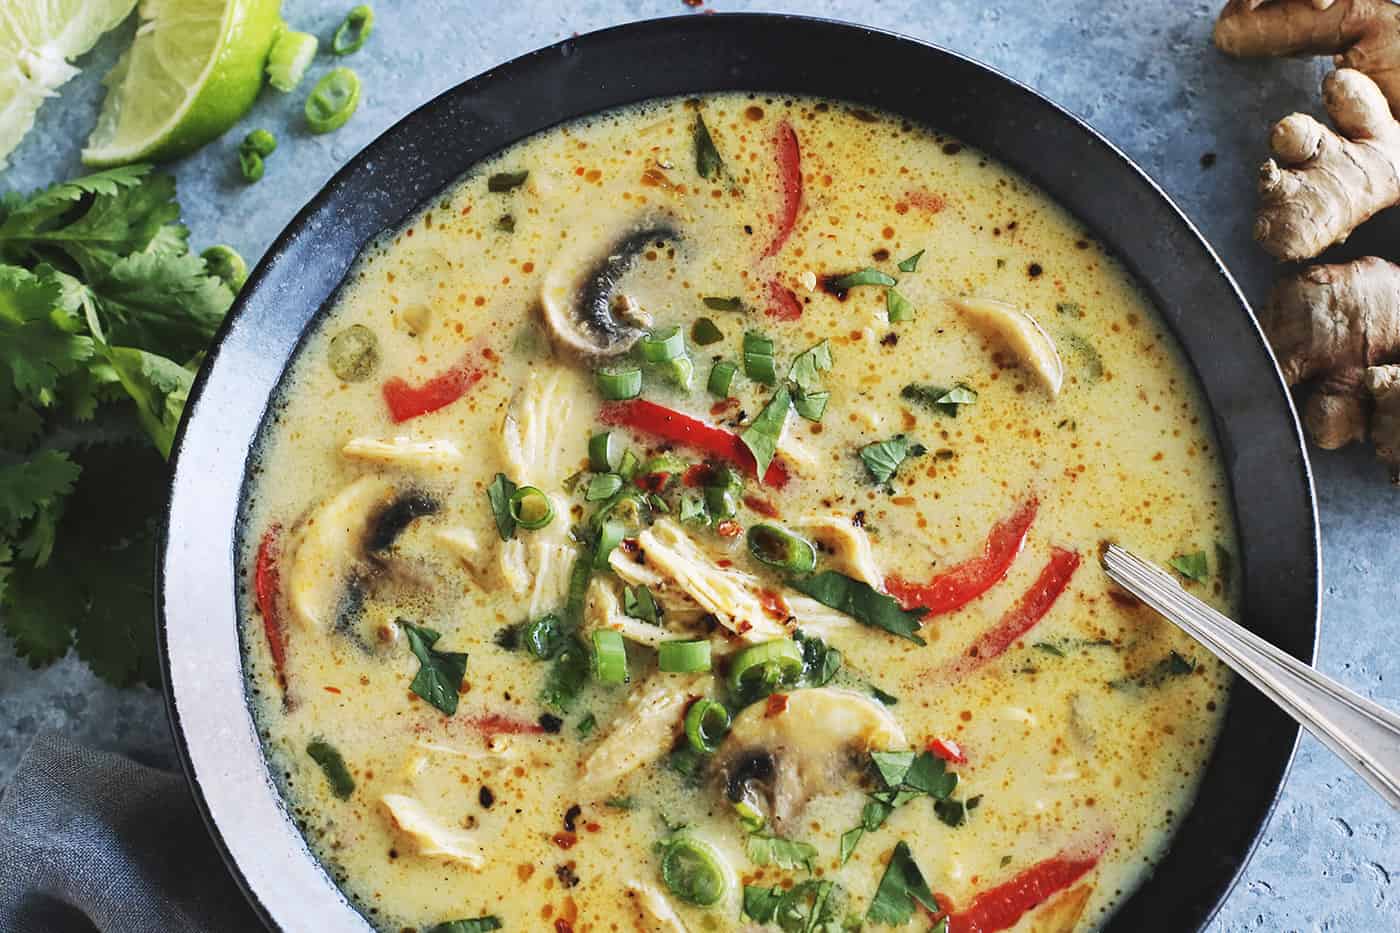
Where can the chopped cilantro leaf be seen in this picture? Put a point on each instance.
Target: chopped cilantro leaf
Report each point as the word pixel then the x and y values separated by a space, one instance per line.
pixel 440 674
pixel 882 458
pixel 900 887
pixel 1191 566
pixel 911 263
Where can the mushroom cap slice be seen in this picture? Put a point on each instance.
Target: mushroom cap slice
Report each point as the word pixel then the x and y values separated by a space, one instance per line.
pixel 330 545
pixel 809 748
pixel 1022 334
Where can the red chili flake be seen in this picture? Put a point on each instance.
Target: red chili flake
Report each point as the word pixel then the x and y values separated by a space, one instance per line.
pixel 592 827
pixel 729 528
pixel 565 840
pixel 761 506
pixel 723 406
pixel 777 704
pixel 563 926
pixel 335 690
pixel 652 482
pixel 498 724
pixel 773 604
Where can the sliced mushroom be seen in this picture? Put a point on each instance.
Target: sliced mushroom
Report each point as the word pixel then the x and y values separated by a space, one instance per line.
pixel 431 838
pixel 778 761
pixel 654 913
pixel 1022 334
pixel 848 545
pixel 403 452
pixel 579 293
pixel 1061 914
pixel 644 731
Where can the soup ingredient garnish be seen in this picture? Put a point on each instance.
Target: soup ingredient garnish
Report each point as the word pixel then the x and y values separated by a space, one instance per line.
pixel 937 398
pixel 759 670
pixel 498 494
pixel 544 637
pixel 721 378
pixel 724 304
pixel 789 163
pixel 476 925
pixel 605 451
pixel 883 458
pixel 911 263
pixel 1000 907
pixel 292 53
pixel 704 332
pixel 708 163
pixel 567 676
pixel 783 303
pixel 953 813
pixel 677 428
pixel 440 673
pixel 758 358
pixel 1193 566
pixel 506 181
pixel 267 588
pixel 225 263
pixel 778 547
pixel 807 907
pixel 1022 334
pixel 407 401
pixel 530 508
pixel 609 657
pixel 638 603
pixel 602 486
pixel 763 433
pixel 867 276
pixel 707 721
pixel 1029 609
pixel 694 870
pixel 957 586
pixel 906 776
pixel 255 147
pixel 685 657
pixel 900 887
pixel 353 33
pixel 862 602
pixel 333 766
pixel 787 854
pixel 897 307
pixel 332 101
pixel 1173 665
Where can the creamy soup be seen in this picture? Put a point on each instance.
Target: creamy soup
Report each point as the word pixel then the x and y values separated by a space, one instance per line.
pixel 690 521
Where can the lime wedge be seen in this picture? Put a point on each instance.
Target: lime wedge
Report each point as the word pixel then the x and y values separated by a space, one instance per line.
pixel 37 42
pixel 194 69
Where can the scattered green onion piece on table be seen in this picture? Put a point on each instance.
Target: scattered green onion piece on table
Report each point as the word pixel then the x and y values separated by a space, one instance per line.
pixel 778 547
pixel 770 664
pixel 706 722
pixel 333 100
pixel 695 871
pixel 707 158
pixel 911 263
pixel 618 385
pixel 684 657
pixel 863 277
pixel 605 451
pixel 609 657
pixel 531 508
pixel 602 486
pixel 292 53
pixel 897 307
pixel 337 774
pixel 505 181
pixel 224 262
pixel 354 353
pixel 352 34
pixel 662 345
pixel 498 494
pixel 610 535
pixel 705 332
pixel 721 378
pixel 260 141
pixel 715 303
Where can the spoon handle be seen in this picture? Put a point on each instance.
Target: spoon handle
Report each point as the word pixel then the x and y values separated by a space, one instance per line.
pixel 1363 734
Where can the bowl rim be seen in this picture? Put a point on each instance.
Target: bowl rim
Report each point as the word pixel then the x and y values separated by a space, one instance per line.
pixel 203 771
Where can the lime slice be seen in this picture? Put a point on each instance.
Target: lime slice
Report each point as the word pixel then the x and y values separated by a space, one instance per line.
pixel 194 69
pixel 37 42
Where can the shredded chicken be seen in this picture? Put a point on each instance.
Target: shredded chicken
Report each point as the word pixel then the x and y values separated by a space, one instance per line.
pixel 403 452
pixel 466 547
pixel 603 609
pixel 644 731
pixel 654 913
pixel 429 837
pixel 538 448
pixel 1022 334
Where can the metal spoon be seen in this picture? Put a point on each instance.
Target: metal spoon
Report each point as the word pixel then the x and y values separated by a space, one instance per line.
pixel 1364 735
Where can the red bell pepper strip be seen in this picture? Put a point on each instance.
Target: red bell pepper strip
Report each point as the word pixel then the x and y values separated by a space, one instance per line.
pixel 790 178
pixel 409 401
pixel 267 588
pixel 948 750
pixel 660 421
pixel 1028 610
pixel 782 302
pixel 491 724
pixel 1002 906
pixel 959 585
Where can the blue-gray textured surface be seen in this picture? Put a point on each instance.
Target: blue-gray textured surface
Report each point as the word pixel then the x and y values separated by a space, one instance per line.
pixel 1144 74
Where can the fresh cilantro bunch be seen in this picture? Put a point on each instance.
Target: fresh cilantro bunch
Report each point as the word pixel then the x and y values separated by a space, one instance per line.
pixel 104 313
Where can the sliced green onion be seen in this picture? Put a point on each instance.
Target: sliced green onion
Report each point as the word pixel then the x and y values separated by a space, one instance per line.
pixel 292 53
pixel 778 547
pixel 911 263
pixel 664 463
pixel 662 345
pixel 338 775
pixel 333 100
pixel 616 385
pixel 769 665
pixel 531 508
pixel 605 452
pixel 602 486
pixel 610 535
pixel 724 304
pixel 628 467
pixel 705 332
pixel 721 501
pixel 721 378
pixel 250 164
pixel 685 657
pixel 865 276
pixel 706 722
pixel 505 181
pixel 754 342
pixel 544 637
pixel 260 141
pixel 354 32
pixel 609 657
pixel 678 370
pixel 695 871
pixel 225 263
pixel 749 817
pixel 897 307
pixel 758 359
pixel 693 510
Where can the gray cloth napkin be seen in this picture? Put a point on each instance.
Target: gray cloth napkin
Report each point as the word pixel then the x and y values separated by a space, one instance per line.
pixel 91 841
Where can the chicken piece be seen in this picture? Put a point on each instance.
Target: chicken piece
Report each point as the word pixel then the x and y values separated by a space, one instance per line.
pixel 403 452
pixel 429 837
pixel 848 545
pixel 1022 334
pixel 653 913
pixel 538 447
pixel 603 609
pixel 777 761
pixel 1061 914
pixel 464 544
pixel 328 546
pixel 643 732
pixel 674 562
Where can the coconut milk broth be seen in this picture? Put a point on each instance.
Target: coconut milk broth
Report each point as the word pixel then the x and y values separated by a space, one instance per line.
pixel 1059 758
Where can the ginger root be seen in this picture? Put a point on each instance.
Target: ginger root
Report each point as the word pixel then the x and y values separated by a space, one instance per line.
pixel 1336 325
pixel 1321 185
pixel 1359 34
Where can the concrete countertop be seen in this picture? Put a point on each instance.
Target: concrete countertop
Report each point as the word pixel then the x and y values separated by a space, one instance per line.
pixel 1144 74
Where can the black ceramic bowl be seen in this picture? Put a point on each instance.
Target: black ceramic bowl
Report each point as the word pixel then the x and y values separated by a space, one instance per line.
pixel 1257 430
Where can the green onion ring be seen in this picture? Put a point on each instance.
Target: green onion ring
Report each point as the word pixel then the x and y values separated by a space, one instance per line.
pixel 706 723
pixel 531 508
